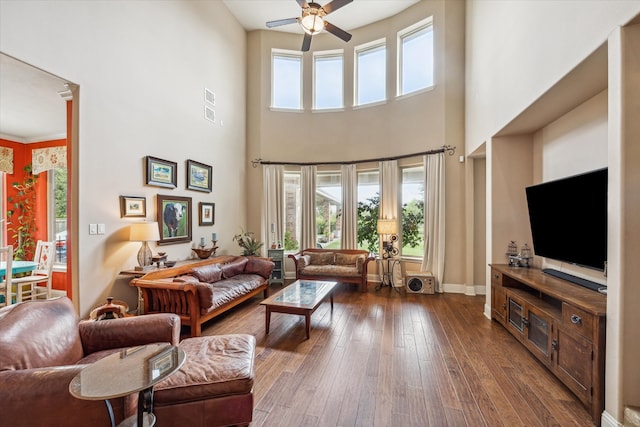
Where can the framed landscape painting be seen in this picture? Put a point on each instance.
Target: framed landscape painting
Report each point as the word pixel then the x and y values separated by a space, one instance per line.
pixel 161 173
pixel 132 207
pixel 199 176
pixel 174 219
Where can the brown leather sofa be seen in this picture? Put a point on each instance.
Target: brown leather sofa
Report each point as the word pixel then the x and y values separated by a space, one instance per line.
pixel 200 291
pixel 43 346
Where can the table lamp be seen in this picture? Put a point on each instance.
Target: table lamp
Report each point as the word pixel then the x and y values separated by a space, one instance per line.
pixel 388 227
pixel 144 232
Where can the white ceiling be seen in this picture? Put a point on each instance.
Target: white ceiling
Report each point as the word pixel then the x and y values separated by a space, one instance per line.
pixel 253 14
pixel 31 109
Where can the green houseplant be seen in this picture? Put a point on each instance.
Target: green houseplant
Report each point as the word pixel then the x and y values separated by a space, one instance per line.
pixel 23 215
pixel 247 241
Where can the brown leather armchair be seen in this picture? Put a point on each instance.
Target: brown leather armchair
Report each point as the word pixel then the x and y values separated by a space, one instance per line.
pixel 43 345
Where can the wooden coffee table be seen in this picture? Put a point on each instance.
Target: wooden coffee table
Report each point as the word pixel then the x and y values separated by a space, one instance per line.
pixel 302 297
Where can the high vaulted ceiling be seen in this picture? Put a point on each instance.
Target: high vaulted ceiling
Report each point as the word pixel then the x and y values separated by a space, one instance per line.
pixel 32 110
pixel 253 14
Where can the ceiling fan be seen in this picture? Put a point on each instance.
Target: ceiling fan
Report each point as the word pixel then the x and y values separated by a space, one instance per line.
pixel 313 20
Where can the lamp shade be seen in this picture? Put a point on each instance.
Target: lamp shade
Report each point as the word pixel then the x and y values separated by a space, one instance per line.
pixel 387 226
pixel 144 232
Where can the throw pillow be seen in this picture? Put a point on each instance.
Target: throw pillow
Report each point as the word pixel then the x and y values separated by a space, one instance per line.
pixel 346 259
pixel 320 258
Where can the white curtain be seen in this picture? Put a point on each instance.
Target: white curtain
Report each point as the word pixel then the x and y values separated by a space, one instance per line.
pixel 434 217
pixel 349 219
pixel 273 215
pixel 389 189
pixel 308 207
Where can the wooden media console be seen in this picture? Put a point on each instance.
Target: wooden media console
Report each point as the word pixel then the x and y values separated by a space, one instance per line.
pixel 560 323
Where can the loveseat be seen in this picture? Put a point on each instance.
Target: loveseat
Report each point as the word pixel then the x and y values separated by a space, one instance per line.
pixel 200 291
pixel 43 346
pixel 340 265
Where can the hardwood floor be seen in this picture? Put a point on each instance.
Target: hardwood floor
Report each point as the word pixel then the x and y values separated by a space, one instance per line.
pixel 384 358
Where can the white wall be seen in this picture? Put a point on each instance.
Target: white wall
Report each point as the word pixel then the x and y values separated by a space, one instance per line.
pixel 142 68
pixel 517 50
pixel 409 125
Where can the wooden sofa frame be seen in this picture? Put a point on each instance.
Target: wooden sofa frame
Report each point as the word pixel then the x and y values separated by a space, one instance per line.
pixel 181 298
pixel 359 280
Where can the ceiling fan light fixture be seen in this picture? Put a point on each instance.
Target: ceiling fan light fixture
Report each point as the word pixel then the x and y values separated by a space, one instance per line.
pixel 312 21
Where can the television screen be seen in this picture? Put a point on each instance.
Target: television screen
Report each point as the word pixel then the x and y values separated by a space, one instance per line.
pixel 569 219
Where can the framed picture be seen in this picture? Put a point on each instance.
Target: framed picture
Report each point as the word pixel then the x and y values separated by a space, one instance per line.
pixel 206 213
pixel 133 207
pixel 161 173
pixel 174 219
pixel 199 176
pixel 163 362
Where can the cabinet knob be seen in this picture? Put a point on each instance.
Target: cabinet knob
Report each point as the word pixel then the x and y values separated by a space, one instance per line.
pixel 504 305
pixel 554 345
pixel 496 276
pixel 575 319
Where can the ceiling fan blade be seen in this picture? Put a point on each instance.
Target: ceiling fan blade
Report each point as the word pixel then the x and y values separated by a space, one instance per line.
pixel 338 32
pixel 335 5
pixel 279 22
pixel 306 42
pixel 303 4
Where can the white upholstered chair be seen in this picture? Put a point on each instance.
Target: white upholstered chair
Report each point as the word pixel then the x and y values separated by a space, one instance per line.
pixel 27 287
pixel 6 256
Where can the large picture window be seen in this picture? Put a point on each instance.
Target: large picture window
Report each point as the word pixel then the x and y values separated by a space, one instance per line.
pixel 412 200
pixel 371 73
pixel 368 208
pixel 328 209
pixel 286 80
pixel 328 80
pixel 415 57
pixel 57 193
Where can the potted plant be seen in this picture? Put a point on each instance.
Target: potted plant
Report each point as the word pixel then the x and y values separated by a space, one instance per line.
pixel 249 244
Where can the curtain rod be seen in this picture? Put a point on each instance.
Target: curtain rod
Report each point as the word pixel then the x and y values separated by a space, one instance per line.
pixel 445 148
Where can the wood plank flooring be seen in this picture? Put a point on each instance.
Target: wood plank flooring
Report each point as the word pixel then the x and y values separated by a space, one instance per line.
pixel 384 358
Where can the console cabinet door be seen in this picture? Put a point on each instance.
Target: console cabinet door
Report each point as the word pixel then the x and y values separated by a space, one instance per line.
pixel 539 334
pixel 574 363
pixel 499 303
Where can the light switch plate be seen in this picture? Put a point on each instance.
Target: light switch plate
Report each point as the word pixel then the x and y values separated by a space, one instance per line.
pixel 101 228
pixel 93 228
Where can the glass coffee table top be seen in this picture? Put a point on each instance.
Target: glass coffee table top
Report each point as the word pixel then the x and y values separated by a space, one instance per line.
pixel 302 293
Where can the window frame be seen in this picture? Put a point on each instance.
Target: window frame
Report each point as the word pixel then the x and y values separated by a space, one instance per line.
pixel 51 217
pixel 291 55
pixel 368 48
pixel 410 32
pixel 327 54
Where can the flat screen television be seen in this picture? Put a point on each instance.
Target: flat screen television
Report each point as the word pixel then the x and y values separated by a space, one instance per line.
pixel 568 219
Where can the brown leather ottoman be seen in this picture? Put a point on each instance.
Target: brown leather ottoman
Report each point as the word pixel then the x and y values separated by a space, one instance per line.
pixel 214 387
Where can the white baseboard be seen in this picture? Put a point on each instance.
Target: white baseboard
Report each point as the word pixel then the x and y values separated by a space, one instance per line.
pixel 607 420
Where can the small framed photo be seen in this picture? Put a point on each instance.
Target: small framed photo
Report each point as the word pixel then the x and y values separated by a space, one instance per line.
pixel 206 213
pixel 133 207
pixel 163 362
pixel 161 173
pixel 199 176
pixel 174 219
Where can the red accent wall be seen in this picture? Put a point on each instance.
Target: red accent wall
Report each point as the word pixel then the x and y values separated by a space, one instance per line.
pixel 22 157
